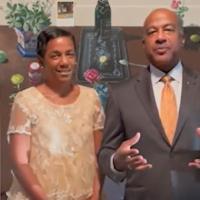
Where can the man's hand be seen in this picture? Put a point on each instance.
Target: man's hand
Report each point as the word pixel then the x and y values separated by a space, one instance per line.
pixel 128 157
pixel 196 162
pixel 198 131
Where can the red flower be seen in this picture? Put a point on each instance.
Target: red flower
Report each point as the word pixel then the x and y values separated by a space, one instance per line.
pixel 91 75
pixel 175 4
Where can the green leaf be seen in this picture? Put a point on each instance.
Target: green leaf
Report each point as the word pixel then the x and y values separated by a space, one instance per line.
pixel 20 15
pixel 18 25
pixel 26 27
pixel 18 18
pixel 14 6
pixel 8 17
pixel 9 5
pixel 35 30
pixel 41 21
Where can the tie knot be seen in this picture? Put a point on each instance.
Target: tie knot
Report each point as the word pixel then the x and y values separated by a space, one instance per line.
pixel 166 79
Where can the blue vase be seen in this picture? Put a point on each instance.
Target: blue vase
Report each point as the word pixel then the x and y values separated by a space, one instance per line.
pixel 102 90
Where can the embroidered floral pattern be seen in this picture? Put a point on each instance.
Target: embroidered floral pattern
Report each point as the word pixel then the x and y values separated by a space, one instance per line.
pixel 62 142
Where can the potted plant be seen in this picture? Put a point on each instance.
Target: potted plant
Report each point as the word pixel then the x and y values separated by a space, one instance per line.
pixel 27 21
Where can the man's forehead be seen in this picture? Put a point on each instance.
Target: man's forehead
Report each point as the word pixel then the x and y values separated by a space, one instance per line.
pixel 160 18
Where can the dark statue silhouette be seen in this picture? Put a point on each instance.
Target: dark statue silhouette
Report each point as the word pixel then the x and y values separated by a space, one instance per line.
pixel 102 47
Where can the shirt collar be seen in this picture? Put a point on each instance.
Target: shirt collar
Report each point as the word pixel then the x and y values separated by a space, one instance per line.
pixel 175 73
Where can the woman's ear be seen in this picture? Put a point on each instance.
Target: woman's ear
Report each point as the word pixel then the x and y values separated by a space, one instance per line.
pixel 40 61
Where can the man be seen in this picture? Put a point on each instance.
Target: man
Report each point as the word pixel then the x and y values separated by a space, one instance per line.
pixel 150 143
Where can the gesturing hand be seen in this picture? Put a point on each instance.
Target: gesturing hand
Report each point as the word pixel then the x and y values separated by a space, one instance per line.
pixel 198 131
pixel 196 163
pixel 128 157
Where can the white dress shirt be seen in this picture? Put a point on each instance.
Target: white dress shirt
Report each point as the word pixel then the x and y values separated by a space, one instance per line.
pixel 176 73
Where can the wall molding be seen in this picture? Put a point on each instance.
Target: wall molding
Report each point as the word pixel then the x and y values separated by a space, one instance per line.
pixel 124 13
pixel 130 15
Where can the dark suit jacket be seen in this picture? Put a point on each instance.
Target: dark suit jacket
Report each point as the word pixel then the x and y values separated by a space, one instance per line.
pixel 131 108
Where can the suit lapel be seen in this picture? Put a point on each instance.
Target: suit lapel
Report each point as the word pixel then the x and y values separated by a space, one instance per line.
pixel 188 91
pixel 145 93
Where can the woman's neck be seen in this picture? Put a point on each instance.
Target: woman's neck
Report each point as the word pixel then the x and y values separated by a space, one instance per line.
pixel 62 89
pixel 62 95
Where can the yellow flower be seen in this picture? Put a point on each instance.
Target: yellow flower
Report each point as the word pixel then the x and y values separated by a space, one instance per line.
pixel 16 79
pixel 195 38
pixel 103 59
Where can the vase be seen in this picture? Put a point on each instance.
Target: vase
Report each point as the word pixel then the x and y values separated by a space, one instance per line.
pixel 102 90
pixel 26 43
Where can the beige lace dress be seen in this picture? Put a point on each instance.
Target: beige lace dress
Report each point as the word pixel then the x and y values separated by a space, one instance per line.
pixel 62 144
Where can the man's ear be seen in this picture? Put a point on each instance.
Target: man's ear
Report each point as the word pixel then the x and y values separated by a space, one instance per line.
pixel 183 41
pixel 143 41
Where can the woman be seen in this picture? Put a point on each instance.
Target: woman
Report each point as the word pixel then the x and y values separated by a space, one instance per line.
pixel 55 129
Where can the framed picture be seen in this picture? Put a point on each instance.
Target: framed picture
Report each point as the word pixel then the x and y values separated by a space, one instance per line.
pixel 64 13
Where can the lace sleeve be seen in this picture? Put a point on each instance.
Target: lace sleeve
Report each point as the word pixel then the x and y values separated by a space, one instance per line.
pixel 20 122
pixel 99 116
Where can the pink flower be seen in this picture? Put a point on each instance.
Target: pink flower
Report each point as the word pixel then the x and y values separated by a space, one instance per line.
pixel 91 75
pixel 175 4
pixel 34 73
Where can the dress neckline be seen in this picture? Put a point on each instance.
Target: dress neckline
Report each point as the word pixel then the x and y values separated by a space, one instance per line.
pixel 41 96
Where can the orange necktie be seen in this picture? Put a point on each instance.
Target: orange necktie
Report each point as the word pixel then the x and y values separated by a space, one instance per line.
pixel 168 108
